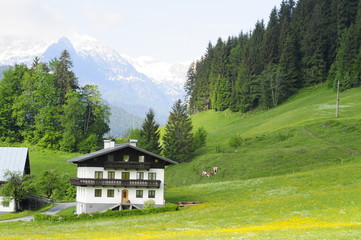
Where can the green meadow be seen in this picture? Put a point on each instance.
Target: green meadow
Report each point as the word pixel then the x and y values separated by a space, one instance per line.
pixel 294 174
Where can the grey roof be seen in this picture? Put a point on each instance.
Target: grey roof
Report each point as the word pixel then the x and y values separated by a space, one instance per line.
pixel 116 148
pixel 12 159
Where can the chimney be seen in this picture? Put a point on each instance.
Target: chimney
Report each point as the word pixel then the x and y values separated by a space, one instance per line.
pixel 133 142
pixel 109 144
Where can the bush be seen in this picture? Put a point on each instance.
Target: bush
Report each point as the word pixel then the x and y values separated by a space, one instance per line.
pixel 219 149
pixel 149 204
pixel 235 141
pixel 106 214
pixel 199 138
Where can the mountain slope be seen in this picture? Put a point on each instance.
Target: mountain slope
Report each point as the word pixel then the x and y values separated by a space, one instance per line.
pixel 170 77
pixel 300 135
pixel 117 79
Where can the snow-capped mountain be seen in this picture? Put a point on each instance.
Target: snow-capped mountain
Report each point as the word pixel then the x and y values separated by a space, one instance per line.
pixel 122 85
pixel 170 77
pixel 14 51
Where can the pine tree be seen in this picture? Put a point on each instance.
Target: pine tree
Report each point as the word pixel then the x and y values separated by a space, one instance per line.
pixel 270 44
pixel 65 79
pixel 178 137
pixel 346 14
pixel 149 134
pixel 220 86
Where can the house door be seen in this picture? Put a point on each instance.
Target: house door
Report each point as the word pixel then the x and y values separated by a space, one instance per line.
pixel 124 196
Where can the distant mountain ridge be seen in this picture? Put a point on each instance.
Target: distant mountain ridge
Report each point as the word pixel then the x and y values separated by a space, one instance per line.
pixel 123 86
pixel 169 77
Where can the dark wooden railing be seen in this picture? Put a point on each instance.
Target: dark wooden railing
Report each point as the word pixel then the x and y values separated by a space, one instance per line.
pixel 127 165
pixel 114 182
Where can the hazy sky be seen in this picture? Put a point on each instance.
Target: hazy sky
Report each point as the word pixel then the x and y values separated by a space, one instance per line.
pixel 167 30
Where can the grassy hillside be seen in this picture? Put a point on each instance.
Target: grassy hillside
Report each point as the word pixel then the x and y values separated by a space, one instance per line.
pixel 300 135
pixel 43 159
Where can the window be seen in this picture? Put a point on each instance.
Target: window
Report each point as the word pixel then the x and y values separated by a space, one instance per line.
pixel 125 175
pixel 151 194
pixel 141 158
pixel 5 203
pixel 126 158
pixel 98 193
pixel 111 175
pixel 111 158
pixel 152 176
pixel 110 193
pixel 98 174
pixel 140 175
pixel 156 160
pixel 139 193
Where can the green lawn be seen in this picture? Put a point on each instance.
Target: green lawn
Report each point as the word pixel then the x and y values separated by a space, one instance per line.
pixel 318 204
pixel 26 213
pixel 67 211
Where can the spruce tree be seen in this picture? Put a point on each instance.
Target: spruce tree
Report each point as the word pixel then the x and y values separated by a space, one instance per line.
pixel 65 79
pixel 178 137
pixel 149 134
pixel 271 40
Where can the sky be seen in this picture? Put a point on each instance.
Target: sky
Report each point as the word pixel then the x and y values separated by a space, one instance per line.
pixel 171 31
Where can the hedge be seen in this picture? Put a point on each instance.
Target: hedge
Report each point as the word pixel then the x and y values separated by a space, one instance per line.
pixel 106 214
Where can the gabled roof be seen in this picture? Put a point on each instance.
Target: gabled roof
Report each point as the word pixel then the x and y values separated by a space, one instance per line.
pixel 116 148
pixel 14 159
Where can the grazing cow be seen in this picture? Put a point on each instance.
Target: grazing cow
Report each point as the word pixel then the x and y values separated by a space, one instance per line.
pixel 210 174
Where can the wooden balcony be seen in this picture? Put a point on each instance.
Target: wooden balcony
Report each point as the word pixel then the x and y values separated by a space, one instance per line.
pixel 115 182
pixel 127 165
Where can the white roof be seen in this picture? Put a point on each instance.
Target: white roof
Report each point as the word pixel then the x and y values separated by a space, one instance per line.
pixel 12 159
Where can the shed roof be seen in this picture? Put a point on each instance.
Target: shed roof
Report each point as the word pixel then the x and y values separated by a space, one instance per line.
pixel 116 148
pixel 14 159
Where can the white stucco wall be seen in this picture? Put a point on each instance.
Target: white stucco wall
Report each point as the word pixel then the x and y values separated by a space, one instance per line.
pixel 87 194
pixel 10 208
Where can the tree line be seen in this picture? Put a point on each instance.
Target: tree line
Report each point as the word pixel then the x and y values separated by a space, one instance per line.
pixel 303 44
pixel 44 105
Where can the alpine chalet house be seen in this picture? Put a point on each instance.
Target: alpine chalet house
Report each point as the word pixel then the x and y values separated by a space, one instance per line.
pixel 119 177
pixel 13 159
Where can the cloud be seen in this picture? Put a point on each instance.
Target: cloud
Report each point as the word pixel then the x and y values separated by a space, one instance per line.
pixel 101 19
pixel 27 18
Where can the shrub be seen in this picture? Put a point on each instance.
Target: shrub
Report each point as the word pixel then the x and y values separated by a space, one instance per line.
pixel 199 138
pixel 107 214
pixel 149 204
pixel 282 137
pixel 219 149
pixel 235 141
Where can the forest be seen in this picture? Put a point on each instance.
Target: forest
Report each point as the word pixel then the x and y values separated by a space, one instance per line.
pixel 45 106
pixel 305 43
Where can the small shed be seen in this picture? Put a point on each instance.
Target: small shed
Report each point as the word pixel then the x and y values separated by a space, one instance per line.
pixel 14 159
